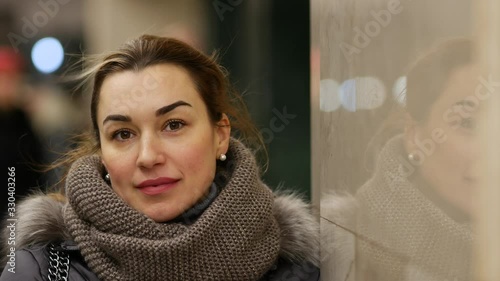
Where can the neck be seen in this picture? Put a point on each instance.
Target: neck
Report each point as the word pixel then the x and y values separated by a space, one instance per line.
pixel 193 213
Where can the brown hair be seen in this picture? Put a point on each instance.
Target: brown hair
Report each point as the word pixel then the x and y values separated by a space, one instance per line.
pixel 428 76
pixel 210 78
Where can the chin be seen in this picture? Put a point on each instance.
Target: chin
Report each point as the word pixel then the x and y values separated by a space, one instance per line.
pixel 469 207
pixel 161 218
pixel 161 215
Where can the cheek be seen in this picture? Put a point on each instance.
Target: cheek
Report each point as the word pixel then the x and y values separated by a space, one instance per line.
pixel 457 151
pixel 447 150
pixel 449 161
pixel 197 161
pixel 120 166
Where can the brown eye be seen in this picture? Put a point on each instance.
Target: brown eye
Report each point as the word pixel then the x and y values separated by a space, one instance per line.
pixel 122 135
pixel 174 125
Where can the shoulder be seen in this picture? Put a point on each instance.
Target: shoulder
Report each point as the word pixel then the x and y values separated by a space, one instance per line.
pixel 32 263
pixel 39 223
pixel 39 220
pixel 23 265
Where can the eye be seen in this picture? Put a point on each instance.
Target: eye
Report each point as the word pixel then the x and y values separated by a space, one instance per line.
pixel 174 125
pixel 468 123
pixel 122 135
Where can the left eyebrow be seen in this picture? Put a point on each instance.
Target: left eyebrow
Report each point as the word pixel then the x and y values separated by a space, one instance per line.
pixel 167 108
pixel 465 103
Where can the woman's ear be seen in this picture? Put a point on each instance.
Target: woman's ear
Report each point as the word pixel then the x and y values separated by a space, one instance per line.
pixel 223 134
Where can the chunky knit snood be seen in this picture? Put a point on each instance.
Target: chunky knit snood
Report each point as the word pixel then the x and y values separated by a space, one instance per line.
pixel 405 235
pixel 235 238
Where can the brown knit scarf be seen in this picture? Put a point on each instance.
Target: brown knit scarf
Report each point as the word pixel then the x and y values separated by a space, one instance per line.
pixel 236 237
pixel 408 236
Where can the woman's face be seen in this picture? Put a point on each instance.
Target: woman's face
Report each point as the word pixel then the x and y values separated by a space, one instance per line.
pixel 446 143
pixel 158 143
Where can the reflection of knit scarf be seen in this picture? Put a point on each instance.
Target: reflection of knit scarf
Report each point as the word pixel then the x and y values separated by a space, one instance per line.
pixel 235 238
pixel 411 238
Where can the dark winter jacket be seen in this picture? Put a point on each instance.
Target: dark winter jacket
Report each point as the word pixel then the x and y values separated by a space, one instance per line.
pixel 40 224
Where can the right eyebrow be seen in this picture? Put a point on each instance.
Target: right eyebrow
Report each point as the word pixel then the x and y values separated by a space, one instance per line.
pixel 117 117
pixel 166 109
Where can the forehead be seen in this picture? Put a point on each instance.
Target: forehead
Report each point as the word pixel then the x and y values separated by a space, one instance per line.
pixel 149 78
pixel 460 86
pixel 166 82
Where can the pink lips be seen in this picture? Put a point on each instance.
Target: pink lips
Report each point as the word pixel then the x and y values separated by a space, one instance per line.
pixel 157 186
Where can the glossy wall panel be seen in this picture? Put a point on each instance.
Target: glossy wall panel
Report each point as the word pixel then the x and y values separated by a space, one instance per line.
pixel 407 105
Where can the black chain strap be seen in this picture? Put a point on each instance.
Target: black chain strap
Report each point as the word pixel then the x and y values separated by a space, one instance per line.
pixel 58 264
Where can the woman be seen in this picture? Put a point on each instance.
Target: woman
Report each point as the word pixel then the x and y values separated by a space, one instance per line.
pixel 413 217
pixel 164 192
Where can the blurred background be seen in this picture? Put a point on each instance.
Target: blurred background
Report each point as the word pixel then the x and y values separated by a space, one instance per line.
pixel 264 45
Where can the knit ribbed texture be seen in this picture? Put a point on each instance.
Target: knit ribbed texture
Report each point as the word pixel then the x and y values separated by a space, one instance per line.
pixel 413 239
pixel 236 237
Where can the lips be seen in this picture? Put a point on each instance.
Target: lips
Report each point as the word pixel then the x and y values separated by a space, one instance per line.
pixel 157 186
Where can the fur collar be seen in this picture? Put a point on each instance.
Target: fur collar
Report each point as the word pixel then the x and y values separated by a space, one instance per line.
pixel 338 220
pixel 40 221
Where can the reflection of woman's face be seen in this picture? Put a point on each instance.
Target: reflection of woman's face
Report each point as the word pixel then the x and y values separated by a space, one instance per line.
pixel 448 142
pixel 158 143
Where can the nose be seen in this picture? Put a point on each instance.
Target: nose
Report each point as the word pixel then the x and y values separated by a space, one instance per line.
pixel 151 152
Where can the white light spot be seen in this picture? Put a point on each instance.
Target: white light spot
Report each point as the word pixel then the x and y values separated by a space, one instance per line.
pixel 47 55
pixel 347 93
pixel 362 93
pixel 329 95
